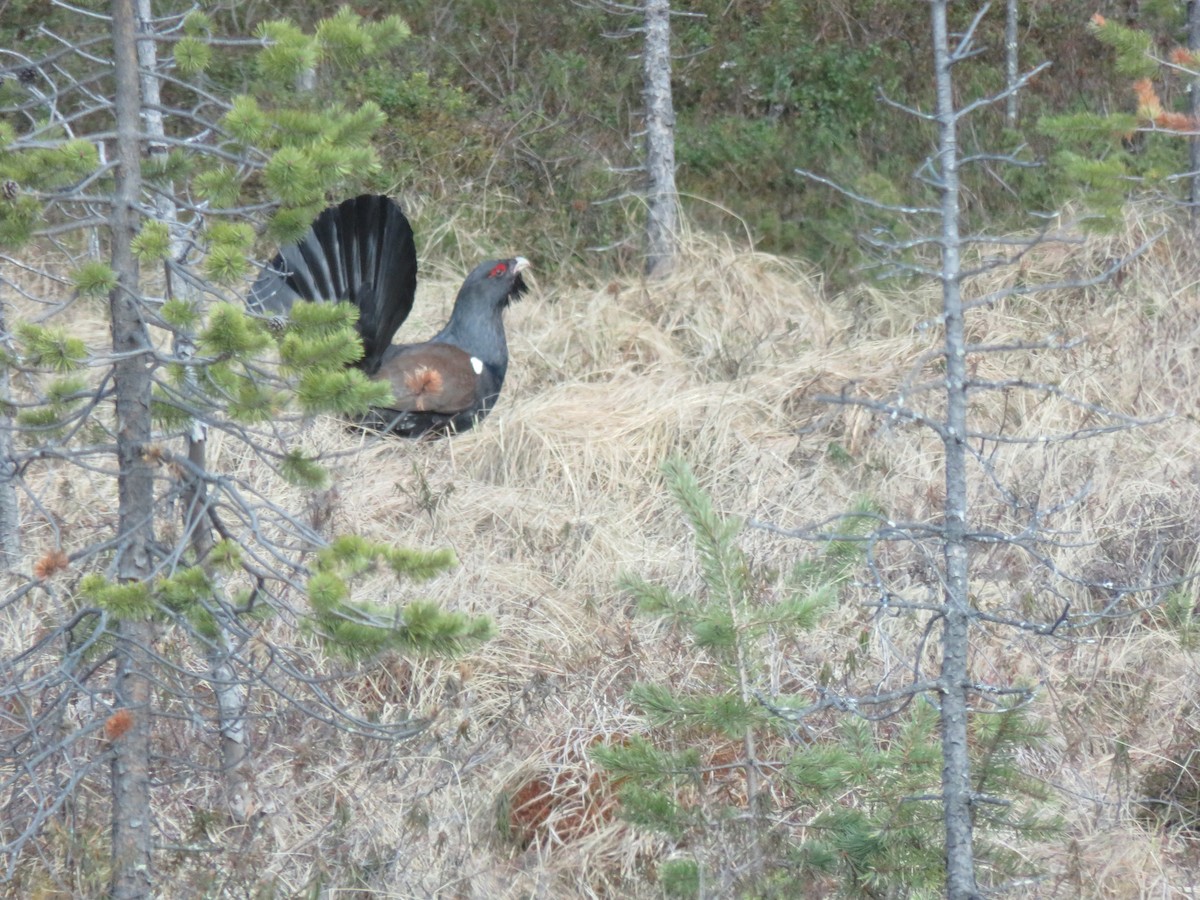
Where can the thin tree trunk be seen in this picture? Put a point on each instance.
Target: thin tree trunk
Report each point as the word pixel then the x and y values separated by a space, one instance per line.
pixel 1011 59
pixel 131 835
pixel 1193 43
pixel 10 513
pixel 754 795
pixel 956 769
pixel 230 693
pixel 662 223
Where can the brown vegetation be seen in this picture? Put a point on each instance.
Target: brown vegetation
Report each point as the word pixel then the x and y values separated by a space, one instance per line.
pixel 559 492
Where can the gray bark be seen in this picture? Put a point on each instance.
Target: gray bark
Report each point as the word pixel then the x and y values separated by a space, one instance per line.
pixel 1011 59
pixel 1193 43
pixel 131 832
pixel 231 694
pixel 662 222
pixel 10 513
pixel 953 684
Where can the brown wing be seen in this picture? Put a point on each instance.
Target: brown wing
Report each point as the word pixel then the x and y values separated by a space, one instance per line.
pixel 433 377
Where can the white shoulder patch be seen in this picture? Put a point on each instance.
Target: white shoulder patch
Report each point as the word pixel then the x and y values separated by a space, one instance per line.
pixel 477 365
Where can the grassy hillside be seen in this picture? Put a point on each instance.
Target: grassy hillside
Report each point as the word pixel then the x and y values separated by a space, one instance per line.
pixel 559 492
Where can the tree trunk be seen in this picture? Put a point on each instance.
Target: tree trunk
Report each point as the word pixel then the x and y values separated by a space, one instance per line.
pixel 1193 43
pixel 10 513
pixel 1011 59
pixel 956 769
pixel 131 835
pixel 662 222
pixel 230 693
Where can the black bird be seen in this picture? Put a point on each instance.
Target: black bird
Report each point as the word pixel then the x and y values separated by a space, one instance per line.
pixel 362 252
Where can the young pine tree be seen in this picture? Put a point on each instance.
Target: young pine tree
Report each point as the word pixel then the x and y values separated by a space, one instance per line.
pixel 749 800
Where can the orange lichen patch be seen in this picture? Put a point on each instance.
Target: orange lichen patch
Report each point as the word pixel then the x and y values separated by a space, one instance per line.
pixel 118 724
pixel 53 561
pixel 423 382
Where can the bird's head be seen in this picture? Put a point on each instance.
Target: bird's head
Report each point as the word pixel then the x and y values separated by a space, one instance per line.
pixel 495 284
pixel 477 323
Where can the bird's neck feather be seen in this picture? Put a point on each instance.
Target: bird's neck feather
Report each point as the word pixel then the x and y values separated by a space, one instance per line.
pixel 480 333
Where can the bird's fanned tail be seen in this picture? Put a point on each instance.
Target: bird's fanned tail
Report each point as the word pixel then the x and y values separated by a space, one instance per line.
pixel 360 251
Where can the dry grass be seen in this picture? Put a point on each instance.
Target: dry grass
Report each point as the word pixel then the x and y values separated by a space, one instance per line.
pixel 559 492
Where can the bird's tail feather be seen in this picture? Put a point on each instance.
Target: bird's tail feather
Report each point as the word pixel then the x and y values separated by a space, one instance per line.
pixel 360 251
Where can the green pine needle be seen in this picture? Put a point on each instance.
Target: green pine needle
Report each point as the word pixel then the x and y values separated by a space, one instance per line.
pixel 343 392
pixel 94 279
pixel 197 24
pixel 657 811
pixel 348 555
pixel 1133 48
pixel 181 313
pixel 74 159
pixel 164 168
pixel 232 332
pixel 153 242
pixel 166 413
pixel 184 588
pixel 293 177
pixel 344 39
pixel 300 469
pixel 41 424
pixel 391 31
pixel 130 601
pixel 429 628
pixel 18 219
pixel 321 319
pixel 680 878
pixel 218 185
pixel 638 757
pixel 334 351
pixel 326 591
pixel 1088 126
pixel 657 600
pixel 226 265
pixel 246 122
pixel 289 54
pixel 290 223
pixel 192 55
pixel 255 402
pixel 51 348
pixel 419 565
pixel 226 555
pixel 63 391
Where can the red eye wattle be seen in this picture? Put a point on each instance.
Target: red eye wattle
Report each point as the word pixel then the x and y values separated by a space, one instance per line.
pixel 499 269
